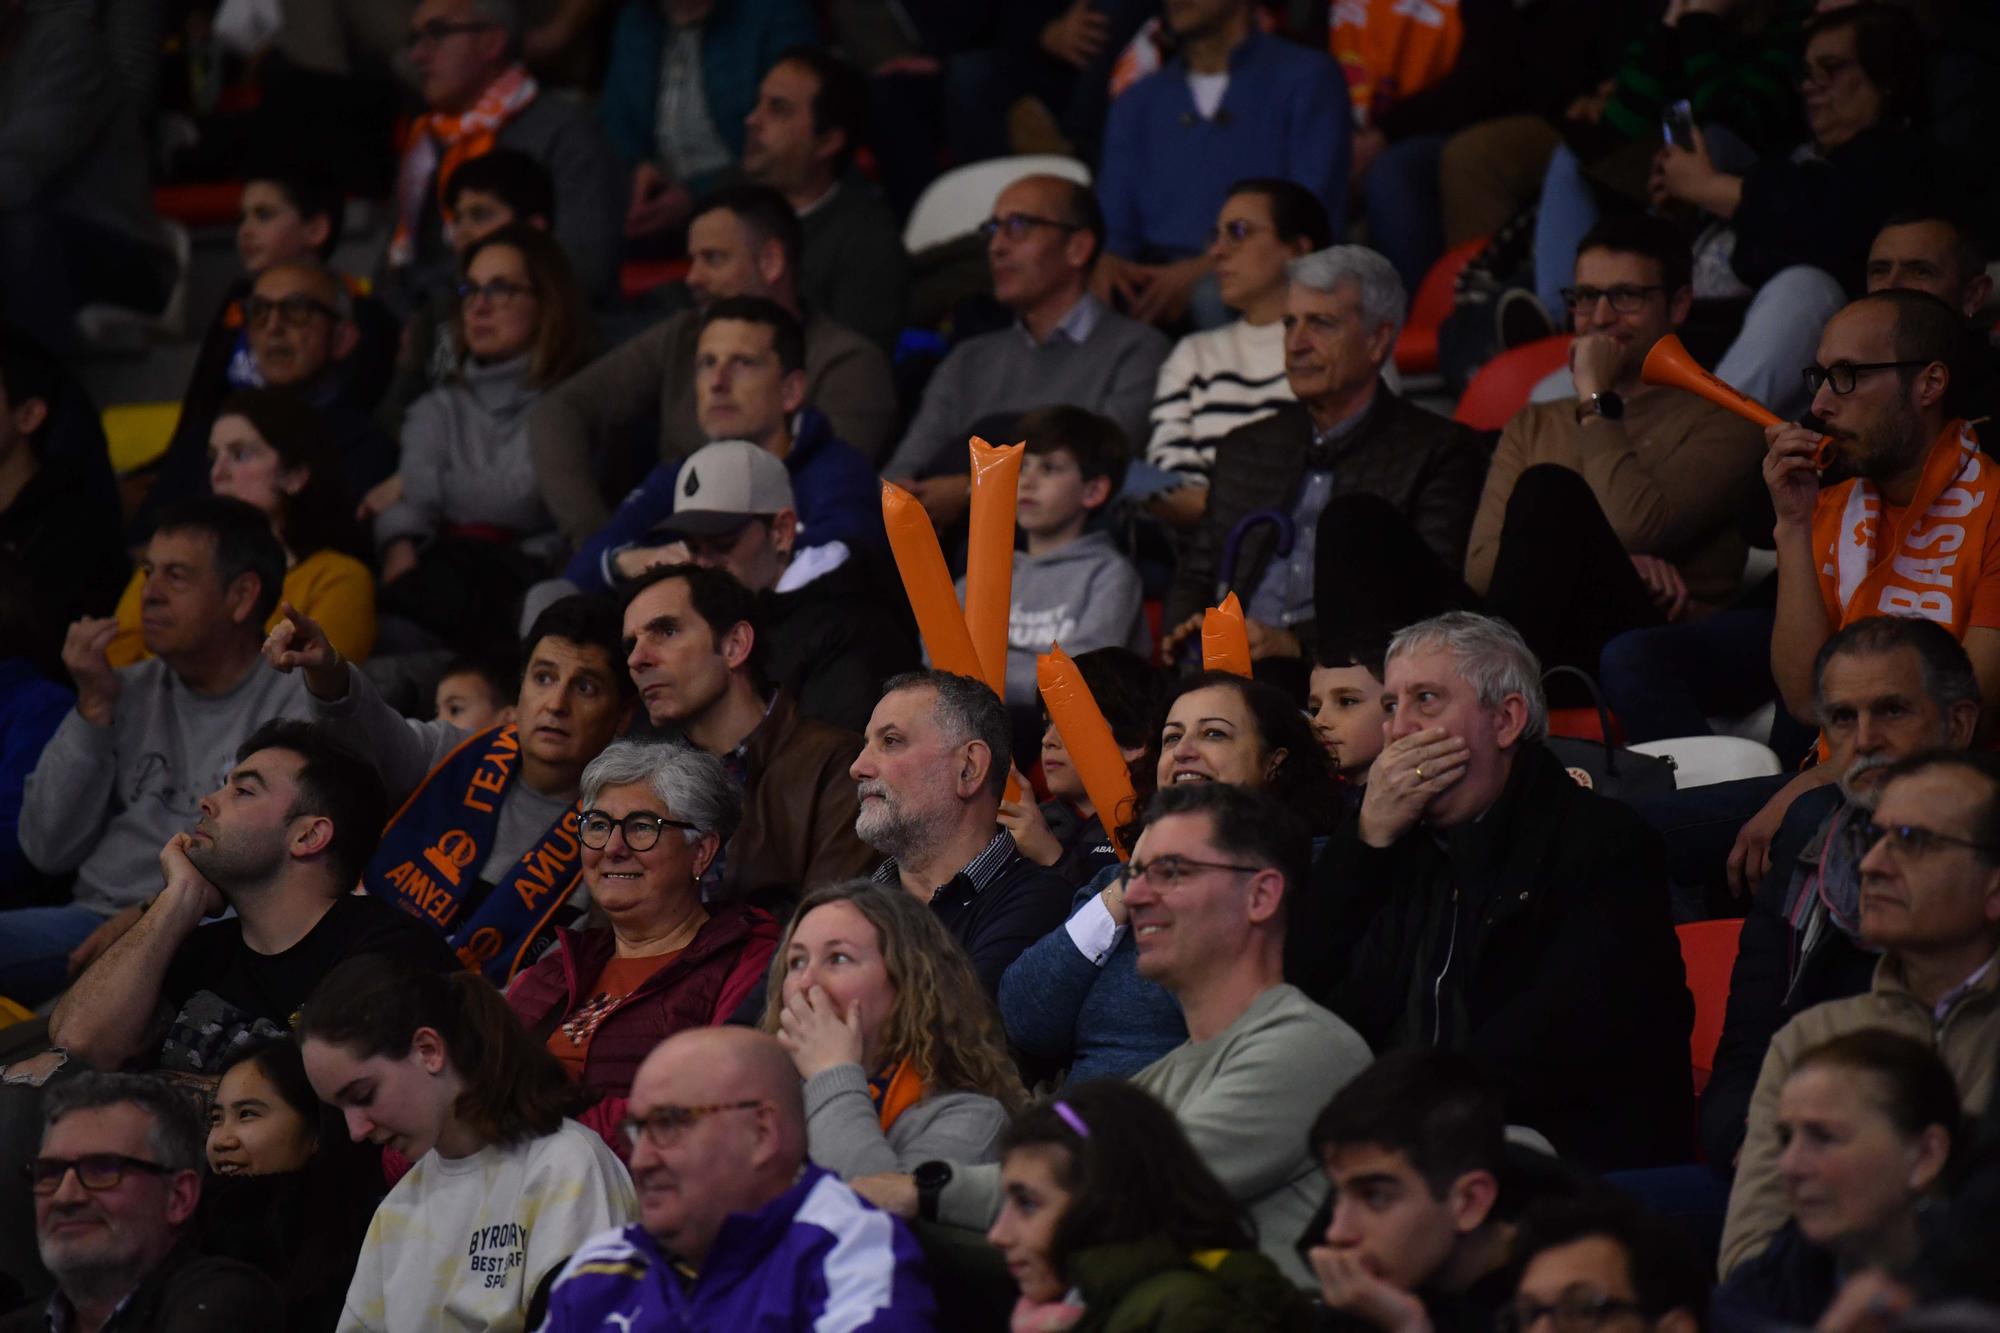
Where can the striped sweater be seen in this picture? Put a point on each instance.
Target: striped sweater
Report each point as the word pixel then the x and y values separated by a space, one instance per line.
pixel 1211 383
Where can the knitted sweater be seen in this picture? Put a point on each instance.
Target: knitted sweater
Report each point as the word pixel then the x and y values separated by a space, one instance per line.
pixel 844 1131
pixel 1213 382
pixel 465 457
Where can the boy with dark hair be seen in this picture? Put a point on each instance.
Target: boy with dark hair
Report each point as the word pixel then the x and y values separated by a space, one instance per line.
pixel 1344 700
pixel 1414 1149
pixel 1070 586
pixel 476 692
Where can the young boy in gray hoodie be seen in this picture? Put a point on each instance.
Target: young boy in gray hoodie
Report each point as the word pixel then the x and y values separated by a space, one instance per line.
pixel 1070 587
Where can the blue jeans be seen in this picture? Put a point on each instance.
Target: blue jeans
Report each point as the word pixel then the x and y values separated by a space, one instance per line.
pixel 1568 212
pixel 35 945
pixel 1406 206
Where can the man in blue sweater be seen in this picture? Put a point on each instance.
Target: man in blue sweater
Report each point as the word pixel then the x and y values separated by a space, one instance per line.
pixel 1235 102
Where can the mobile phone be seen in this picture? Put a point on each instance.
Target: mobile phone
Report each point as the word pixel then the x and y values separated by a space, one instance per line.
pixel 1677 123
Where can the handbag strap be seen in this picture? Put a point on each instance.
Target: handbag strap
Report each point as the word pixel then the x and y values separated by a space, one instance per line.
pixel 1603 713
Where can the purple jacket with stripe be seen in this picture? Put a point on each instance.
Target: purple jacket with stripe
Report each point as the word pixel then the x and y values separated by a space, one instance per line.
pixel 817 1257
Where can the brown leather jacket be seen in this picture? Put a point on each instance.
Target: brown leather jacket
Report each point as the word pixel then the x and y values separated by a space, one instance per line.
pixel 798 812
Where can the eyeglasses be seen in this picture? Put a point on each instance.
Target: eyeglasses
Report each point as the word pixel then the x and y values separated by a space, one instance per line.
pixel 1168 872
pixel 663 1126
pixel 1627 298
pixel 641 830
pixel 294 311
pixel 1577 1310
pixel 94 1171
pixel 1913 842
pixel 497 290
pixel 1237 230
pixel 1018 225
pixel 430 34
pixel 1842 374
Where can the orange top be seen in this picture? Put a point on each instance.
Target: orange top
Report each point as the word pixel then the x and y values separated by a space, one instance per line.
pixel 1390 49
pixel 570 1042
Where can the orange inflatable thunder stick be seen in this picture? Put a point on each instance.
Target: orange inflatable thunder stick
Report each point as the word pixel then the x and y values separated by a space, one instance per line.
pixel 1093 751
pixel 1225 643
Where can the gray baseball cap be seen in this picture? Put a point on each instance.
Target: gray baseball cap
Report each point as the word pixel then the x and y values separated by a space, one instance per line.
pixel 726 484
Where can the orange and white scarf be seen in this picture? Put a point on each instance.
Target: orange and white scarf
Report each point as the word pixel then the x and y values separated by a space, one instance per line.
pixel 439 142
pixel 1928 565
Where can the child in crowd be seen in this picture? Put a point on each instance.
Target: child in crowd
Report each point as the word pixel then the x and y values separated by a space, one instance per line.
pixel 1067 831
pixel 1070 587
pixel 1344 700
pixel 1109 1220
pixel 476 692
pixel 505 1187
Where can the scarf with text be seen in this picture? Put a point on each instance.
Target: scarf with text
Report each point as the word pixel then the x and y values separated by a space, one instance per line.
pixel 438 143
pixel 428 863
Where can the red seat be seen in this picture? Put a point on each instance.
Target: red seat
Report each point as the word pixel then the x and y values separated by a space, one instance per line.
pixel 200 203
pixel 639 276
pixel 1417 347
pixel 1582 724
pixel 1708 954
pixel 1501 387
pixel 1156 623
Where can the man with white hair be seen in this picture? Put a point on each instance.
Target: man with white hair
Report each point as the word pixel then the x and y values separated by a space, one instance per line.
pixel 1522 919
pixel 1346 436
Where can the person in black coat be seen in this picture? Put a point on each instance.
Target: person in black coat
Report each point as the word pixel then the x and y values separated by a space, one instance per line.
pixel 1528 925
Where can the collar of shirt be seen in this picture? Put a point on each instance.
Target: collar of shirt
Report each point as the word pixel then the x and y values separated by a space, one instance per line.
pixel 1952 996
pixel 819 203
pixel 978 873
pixel 61 1315
pixel 809 563
pixel 1076 325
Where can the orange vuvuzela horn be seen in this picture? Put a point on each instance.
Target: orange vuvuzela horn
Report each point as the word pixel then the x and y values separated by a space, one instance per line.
pixel 1669 364
pixel 927 583
pixel 1093 750
pixel 1225 643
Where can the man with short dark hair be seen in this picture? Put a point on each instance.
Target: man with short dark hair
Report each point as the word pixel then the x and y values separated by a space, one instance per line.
pixel 1930 901
pixel 928 785
pixel 1065 345
pixel 483 845
pixel 1521 919
pixel 692 647
pixel 281 841
pixel 128 765
pixel 1604 1254
pixel 1887 687
pixel 743 241
pixel 1414 1149
pixel 800 139
pixel 117 1185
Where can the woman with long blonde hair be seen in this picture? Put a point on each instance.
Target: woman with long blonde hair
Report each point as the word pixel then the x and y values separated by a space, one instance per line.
pixel 898 1043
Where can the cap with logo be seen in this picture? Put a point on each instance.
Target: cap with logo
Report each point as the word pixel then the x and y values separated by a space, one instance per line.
pixel 726 484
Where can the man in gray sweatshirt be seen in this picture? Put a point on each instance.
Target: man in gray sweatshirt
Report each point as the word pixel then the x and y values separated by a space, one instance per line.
pixel 127 768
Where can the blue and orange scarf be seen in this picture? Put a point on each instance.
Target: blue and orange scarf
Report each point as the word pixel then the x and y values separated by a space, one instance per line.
pixel 431 852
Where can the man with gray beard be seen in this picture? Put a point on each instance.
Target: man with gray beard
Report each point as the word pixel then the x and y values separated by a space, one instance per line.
pixel 1885 688
pixel 928 783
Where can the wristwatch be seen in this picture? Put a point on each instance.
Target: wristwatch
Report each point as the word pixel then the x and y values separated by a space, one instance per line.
pixel 931 1178
pixel 1607 405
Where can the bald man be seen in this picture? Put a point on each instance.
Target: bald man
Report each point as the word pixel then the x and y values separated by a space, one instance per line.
pixel 736 1229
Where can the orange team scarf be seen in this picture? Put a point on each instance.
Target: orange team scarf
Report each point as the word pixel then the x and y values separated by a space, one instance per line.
pixel 1929 564
pixel 438 143
pixel 895 1091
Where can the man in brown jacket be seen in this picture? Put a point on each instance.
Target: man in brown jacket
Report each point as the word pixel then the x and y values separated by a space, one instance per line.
pixel 1930 900
pixel 1666 472
pixel 694 655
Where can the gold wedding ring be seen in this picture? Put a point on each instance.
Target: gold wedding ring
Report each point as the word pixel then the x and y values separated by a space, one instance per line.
pixel 1420 772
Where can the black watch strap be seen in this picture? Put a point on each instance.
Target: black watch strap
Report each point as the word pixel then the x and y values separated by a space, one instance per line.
pixel 931 1178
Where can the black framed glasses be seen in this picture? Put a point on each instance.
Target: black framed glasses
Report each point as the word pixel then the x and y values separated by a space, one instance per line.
pixel 1627 298
pixel 1235 231
pixel 430 34
pixel 1018 225
pixel 1841 375
pixel 1170 871
pixel 663 1125
pixel 94 1171
pixel 1577 1310
pixel 294 311
pixel 1914 842
pixel 641 830
pixel 499 291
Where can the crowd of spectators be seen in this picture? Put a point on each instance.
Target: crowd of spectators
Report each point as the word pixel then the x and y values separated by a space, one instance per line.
pixel 488 839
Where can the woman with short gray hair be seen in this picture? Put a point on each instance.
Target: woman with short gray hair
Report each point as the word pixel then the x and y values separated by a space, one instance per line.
pixel 656 820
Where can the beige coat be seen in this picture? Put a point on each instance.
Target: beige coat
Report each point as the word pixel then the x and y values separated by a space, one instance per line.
pixel 1671 478
pixel 1965 1040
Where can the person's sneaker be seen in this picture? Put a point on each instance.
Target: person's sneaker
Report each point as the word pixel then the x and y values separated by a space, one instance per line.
pixel 1520 318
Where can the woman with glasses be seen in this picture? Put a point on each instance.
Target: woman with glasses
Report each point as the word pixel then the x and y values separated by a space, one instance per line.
pixel 1110 1222
pixel 269 449
pixel 656 817
pixel 1866 1123
pixel 505 1186
pixel 461 528
pixel 1075 996
pixel 288 1191
pixel 902 1055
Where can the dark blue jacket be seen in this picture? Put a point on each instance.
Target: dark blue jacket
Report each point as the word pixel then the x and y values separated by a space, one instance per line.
pixel 31 708
pixel 837 493
pixel 1788 1286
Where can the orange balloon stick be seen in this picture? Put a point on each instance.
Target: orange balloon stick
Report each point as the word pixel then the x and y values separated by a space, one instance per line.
pixel 989 555
pixel 1093 751
pixel 927 583
pixel 1225 643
